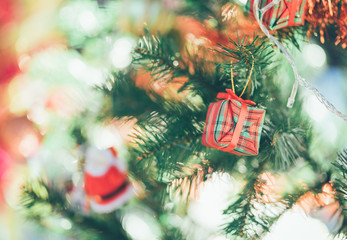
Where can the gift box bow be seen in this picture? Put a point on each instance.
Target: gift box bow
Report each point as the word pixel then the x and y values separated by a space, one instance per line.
pixel 232 96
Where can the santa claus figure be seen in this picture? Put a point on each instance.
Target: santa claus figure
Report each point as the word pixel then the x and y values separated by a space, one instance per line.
pixel 105 180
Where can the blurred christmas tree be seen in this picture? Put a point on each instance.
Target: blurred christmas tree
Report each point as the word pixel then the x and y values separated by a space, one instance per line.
pixel 132 82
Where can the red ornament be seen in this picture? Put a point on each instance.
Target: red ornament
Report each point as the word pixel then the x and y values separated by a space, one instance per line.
pixel 105 179
pixel 233 125
pixel 284 14
pixel 8 66
pixel 323 206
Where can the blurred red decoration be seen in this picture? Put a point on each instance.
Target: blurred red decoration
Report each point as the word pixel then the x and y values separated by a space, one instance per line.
pixel 8 66
pixel 7 11
pixel 331 215
pixel 323 206
pixel 161 86
pixel 284 14
pixel 105 179
pixel 324 13
pixel 5 163
pixel 19 137
pixel 265 188
pixel 237 23
pixel 8 59
pixel 203 33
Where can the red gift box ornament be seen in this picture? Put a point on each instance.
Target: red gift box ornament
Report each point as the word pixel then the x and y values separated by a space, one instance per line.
pixel 286 13
pixel 233 124
pixel 105 180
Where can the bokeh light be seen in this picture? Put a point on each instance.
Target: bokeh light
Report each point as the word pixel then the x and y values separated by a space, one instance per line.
pixel 121 52
pixel 314 55
pixel 66 224
pixel 140 225
pixel 315 109
pixel 88 22
pixel 214 197
pixel 296 225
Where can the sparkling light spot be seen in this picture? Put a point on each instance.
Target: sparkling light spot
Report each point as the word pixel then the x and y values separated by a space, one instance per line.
pixel 65 224
pixel 315 108
pixel 105 138
pixel 137 227
pixel 314 55
pixel 214 198
pixel 294 224
pixel 242 2
pixel 88 22
pixel 76 68
pixel 28 145
pixel 121 52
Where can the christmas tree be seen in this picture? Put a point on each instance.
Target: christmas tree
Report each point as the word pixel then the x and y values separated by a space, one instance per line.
pixel 171 120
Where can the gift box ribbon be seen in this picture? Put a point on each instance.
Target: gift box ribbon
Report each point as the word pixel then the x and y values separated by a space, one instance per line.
pixel 234 139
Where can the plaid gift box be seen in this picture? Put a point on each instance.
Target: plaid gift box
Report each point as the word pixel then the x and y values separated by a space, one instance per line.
pixel 285 14
pixel 233 125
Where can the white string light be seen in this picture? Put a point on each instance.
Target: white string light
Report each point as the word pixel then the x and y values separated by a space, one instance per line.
pixel 298 79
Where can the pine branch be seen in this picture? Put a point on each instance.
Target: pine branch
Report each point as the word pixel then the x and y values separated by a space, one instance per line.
pixel 242 54
pixel 42 200
pixel 241 211
pixel 291 35
pixel 163 58
pixel 187 187
pixel 340 184
pixel 203 9
pixel 127 100
pixel 252 216
pixel 284 145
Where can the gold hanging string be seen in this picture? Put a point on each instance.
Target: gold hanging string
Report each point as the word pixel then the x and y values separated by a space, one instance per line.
pixel 248 79
pixel 232 75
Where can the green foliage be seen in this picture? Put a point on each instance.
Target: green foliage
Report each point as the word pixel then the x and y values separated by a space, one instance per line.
pixel 203 9
pixel 244 54
pixel 43 201
pixel 340 182
pixel 163 58
pixel 128 100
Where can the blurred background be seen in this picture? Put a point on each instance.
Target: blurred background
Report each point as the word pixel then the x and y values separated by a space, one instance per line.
pixel 54 54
